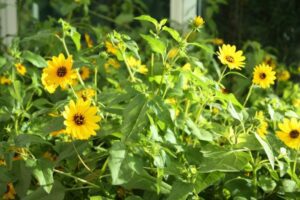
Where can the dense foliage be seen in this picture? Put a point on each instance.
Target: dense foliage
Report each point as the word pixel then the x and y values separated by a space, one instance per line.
pixel 129 108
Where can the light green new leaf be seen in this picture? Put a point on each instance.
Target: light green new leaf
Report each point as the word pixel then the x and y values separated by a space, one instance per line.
pixel 175 35
pixel 147 18
pixel 234 113
pixel 2 61
pixel 267 149
pixel 156 45
pixel 34 59
pixel 201 134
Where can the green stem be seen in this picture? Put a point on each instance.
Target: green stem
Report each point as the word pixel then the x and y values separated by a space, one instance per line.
pixel 76 178
pixel 295 162
pixel 95 84
pixel 248 95
pixel 81 160
pixel 128 67
pixel 65 46
pixel 222 75
pixel 74 91
pixel 80 79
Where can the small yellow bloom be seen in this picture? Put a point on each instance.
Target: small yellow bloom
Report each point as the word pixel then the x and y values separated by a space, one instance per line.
pixel 173 53
pixel 187 67
pixel 230 57
pixel 284 75
pixel 84 73
pixel 215 110
pixel 137 65
pixel 111 63
pixel 269 60
pixel 4 80
pixel 86 94
pixel 289 132
pixel 110 48
pixel 88 40
pixel 81 119
pixel 198 21
pixel 21 69
pixel 263 76
pixel 171 101
pixel 218 41
pixel 49 156
pixel 263 125
pixel 296 103
pixel 59 132
pixel 10 192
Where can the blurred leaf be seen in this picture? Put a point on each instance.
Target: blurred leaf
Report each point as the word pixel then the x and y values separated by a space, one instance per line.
pixel 147 18
pixel 175 35
pixel 180 191
pixel 43 172
pixel 156 45
pixel 2 61
pixel 135 116
pixel 57 193
pixel 25 140
pixel 34 59
pixel 266 183
pixel 124 18
pixel 201 134
pixel 267 149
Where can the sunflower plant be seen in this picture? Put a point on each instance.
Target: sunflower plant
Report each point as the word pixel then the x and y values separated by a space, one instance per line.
pixel 147 116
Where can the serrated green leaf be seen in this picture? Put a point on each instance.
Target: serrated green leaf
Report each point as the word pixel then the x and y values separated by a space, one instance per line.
pixel 156 45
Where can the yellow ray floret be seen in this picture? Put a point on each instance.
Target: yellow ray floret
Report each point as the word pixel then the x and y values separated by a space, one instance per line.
pixel 289 132
pixel 230 57
pixel 263 75
pixel 81 119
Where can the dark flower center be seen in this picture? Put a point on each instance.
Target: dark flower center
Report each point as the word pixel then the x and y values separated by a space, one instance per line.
pixel 262 75
pixel 229 59
pixel 78 119
pixel 61 71
pixel 80 72
pixel 294 134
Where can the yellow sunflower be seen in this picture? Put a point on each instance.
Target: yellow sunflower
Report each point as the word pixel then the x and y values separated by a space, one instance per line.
pixel 284 75
pixel 263 125
pixel 136 65
pixel 263 75
pixel 81 119
pixel 198 21
pixel 88 40
pixel 218 41
pixel 289 132
pixel 59 72
pixel 111 63
pixel 110 48
pixel 21 69
pixel 230 57
pixel 10 192
pixel 86 94
pixel 4 80
pixel 84 73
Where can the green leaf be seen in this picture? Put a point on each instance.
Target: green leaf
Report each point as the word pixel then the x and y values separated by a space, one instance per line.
pixel 180 190
pixel 24 177
pixel 25 140
pixel 234 113
pixel 156 45
pixel 43 172
pixel 201 134
pixel 205 180
pixel 2 61
pixel 218 159
pixel 175 35
pixel 71 32
pixel 267 149
pixel 57 193
pixel 124 18
pixel 135 116
pixel 204 47
pixel 147 18
pixel 34 59
pixel 266 183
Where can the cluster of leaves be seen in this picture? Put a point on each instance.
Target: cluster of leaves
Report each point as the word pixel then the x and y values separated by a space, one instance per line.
pixel 171 133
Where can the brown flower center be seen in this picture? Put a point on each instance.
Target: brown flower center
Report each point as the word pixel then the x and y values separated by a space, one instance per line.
pixel 229 59
pixel 78 119
pixel 294 134
pixel 262 75
pixel 61 71
pixel 80 72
